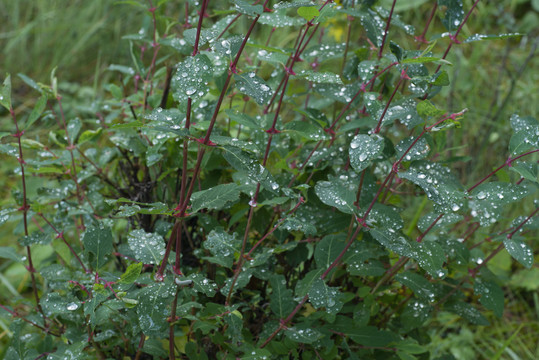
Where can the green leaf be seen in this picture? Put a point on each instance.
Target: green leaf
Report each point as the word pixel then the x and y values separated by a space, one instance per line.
pixel 248 164
pixel 426 110
pixel 395 241
pixel 243 279
pixel 337 195
pixel 519 250
pixel 37 237
pixel 148 248
pixel 328 249
pixel 374 26
pixel 489 199
pixel 131 273
pixel 246 8
pixel 295 224
pixel 467 312
pixel 364 149
pixel 222 246
pixel 205 35
pixel 253 86
pixel 421 287
pixel 98 240
pixel 73 129
pixel 319 77
pixel 306 130
pixel 153 307
pixel 89 135
pixel 431 257
pixel 281 302
pixel 370 336
pixel 454 13
pixel 440 185
pixel 38 109
pixel 7 252
pixel 524 140
pixel 303 286
pixel 419 150
pixel 321 295
pixel 202 285
pixel 415 314
pixel 191 78
pixel 302 333
pixel 243 119
pixel 308 12
pixel 424 59
pixel 5 94
pixel 216 198
pixel 491 296
pixel 528 171
pixel 482 37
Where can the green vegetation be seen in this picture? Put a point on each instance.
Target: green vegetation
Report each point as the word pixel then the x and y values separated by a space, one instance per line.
pixel 286 180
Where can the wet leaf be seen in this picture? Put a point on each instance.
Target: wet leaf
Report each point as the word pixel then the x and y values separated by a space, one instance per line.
pixel 191 78
pixel 321 295
pixel 153 307
pixel 253 86
pixel 491 296
pixel 519 250
pixel 419 150
pixel 7 252
pixel 440 185
pixel 364 149
pixel 483 37
pixel 302 334
pixel 98 240
pixel 337 195
pixel 431 257
pixel 281 302
pixel 148 248
pixel 467 312
pixel 5 94
pixel 131 273
pixel 454 13
pixel 421 287
pixel 307 130
pixel 246 8
pixel 222 246
pixel 217 198
pixel 489 199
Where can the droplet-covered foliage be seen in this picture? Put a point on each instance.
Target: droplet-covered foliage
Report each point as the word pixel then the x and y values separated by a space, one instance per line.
pixel 258 185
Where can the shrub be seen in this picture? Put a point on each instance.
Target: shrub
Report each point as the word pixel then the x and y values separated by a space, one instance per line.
pixel 243 193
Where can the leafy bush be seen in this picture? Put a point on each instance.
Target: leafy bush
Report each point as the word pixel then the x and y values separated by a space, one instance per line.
pixel 243 193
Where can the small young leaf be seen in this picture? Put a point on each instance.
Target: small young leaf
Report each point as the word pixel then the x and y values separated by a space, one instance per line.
pixel 308 12
pixel 131 273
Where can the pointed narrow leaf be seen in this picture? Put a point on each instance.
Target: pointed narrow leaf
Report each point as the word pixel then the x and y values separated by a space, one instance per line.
pixel 482 37
pixel 131 273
